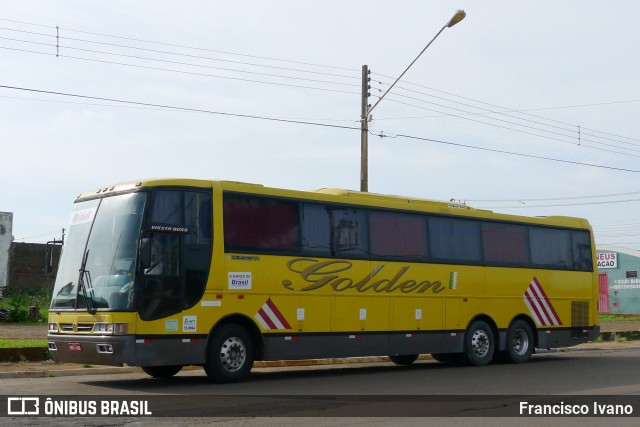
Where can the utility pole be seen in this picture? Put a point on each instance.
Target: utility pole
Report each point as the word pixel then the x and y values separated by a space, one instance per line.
pixel 365 116
pixel 364 130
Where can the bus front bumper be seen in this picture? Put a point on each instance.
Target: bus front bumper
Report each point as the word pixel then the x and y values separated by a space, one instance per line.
pixel 94 350
pixel 131 350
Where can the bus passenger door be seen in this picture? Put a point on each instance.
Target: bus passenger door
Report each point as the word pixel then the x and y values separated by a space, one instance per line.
pixel 160 294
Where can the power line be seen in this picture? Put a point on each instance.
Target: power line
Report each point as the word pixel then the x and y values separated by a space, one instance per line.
pixel 184 46
pixel 512 153
pixel 249 116
pixel 578 142
pixel 159 51
pixel 554 198
pixel 182 72
pixel 192 110
pixel 571 126
pixel 564 204
pixel 158 108
pixel 464 112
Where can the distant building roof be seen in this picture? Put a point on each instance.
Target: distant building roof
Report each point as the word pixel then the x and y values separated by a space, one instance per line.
pixel 621 249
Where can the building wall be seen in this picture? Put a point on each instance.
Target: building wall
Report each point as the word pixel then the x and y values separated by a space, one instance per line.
pixel 6 237
pixel 27 266
pixel 622 267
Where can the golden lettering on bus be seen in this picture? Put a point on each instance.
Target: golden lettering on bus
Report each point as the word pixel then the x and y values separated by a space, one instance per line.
pixel 318 274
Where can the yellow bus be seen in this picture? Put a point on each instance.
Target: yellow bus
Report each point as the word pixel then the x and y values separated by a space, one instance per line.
pixel 172 272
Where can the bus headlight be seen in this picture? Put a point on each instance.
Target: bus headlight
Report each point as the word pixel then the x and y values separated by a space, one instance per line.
pixel 53 327
pixel 111 328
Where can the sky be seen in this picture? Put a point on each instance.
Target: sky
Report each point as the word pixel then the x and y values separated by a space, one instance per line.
pixel 527 108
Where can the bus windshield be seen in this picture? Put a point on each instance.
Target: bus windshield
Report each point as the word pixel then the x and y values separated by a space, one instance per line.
pixel 98 264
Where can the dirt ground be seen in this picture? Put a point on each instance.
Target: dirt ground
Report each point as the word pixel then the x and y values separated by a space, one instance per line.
pixel 34 332
pixel 14 331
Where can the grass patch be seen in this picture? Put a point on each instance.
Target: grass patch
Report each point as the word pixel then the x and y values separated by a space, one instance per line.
pixel 618 336
pixel 605 317
pixel 4 343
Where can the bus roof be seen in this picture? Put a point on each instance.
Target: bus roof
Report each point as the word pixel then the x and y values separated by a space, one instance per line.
pixel 340 196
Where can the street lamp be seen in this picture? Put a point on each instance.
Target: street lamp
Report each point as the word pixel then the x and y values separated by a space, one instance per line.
pixel 366 110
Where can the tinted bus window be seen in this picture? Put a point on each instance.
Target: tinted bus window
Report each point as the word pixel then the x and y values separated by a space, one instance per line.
pixel 505 243
pixel 316 230
pixel 581 248
pixel 454 239
pixel 252 223
pixel 397 235
pixel 550 247
pixel 349 232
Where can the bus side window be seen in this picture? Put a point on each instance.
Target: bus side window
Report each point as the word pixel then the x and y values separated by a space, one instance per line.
pixel 454 239
pixel 581 248
pixel 397 235
pixel 550 247
pixel 316 230
pixel 349 234
pixel 197 251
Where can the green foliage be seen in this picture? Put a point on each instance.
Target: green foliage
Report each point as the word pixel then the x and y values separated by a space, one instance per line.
pixel 606 317
pixel 19 301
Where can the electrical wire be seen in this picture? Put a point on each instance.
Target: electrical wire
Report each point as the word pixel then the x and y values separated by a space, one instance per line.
pixel 572 126
pixel 579 142
pixel 508 152
pixel 183 46
pixel 249 116
pixel 57 45
pixel 182 71
pixel 319 119
pixel 553 198
pixel 192 110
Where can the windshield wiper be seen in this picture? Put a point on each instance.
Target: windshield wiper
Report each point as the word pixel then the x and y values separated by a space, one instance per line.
pixel 82 286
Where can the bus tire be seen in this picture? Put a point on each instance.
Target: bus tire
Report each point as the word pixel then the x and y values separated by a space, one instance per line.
pixel 519 342
pixel 480 343
pixel 230 355
pixel 162 371
pixel 403 359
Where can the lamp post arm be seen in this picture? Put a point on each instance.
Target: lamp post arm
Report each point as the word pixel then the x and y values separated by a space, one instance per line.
pixel 406 69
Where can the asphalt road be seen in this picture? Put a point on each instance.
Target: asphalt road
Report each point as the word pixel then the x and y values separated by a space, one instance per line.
pixel 390 391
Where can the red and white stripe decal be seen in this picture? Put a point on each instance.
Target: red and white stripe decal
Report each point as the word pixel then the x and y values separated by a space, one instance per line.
pixel 539 305
pixel 269 317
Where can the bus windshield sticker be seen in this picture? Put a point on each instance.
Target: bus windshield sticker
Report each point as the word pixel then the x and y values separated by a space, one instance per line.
pixel 240 280
pixel 82 216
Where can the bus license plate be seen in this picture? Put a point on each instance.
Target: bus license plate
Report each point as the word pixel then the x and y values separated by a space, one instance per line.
pixel 74 346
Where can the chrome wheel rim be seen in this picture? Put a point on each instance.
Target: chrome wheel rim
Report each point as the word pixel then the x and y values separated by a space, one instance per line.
pixel 520 342
pixel 480 343
pixel 233 354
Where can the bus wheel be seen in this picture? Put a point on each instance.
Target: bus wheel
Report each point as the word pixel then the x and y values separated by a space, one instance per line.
pixel 162 371
pixel 230 357
pixel 404 359
pixel 519 342
pixel 479 343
